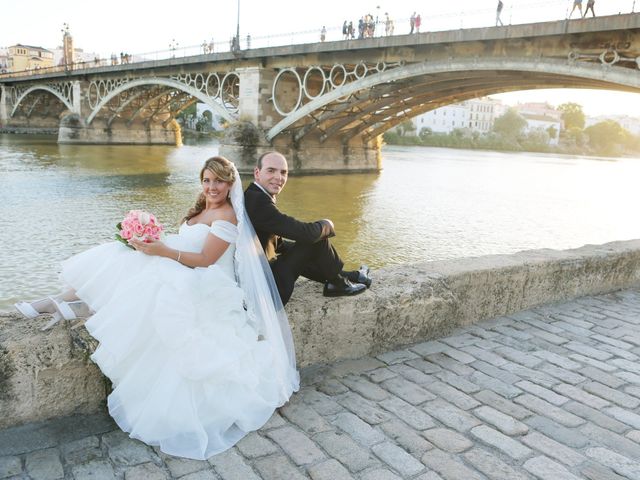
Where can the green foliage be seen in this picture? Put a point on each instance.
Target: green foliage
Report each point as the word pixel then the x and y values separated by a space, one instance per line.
pixel 607 137
pixel 572 115
pixel 406 127
pixel 510 125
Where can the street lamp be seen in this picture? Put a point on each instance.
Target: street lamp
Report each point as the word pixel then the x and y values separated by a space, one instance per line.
pixel 236 43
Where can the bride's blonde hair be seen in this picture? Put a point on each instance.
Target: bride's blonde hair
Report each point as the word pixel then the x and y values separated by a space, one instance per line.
pixel 221 168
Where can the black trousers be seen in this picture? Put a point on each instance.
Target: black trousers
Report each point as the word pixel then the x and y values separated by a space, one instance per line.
pixel 316 261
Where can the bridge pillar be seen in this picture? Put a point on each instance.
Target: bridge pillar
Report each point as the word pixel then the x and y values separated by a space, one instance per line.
pixel 75 128
pixel 4 117
pixel 246 139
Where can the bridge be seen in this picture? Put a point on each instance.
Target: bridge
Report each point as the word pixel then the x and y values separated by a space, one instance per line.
pixel 324 105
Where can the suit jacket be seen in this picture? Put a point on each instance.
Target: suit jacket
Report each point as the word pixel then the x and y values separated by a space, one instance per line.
pixel 271 225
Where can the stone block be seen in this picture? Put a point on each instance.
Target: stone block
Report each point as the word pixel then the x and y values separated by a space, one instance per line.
pixel 10 466
pixel 254 445
pixel 492 437
pixel 230 466
pixel 448 440
pixel 127 451
pixel 358 429
pixel 277 467
pixel 553 449
pixel 546 469
pixel 44 465
pixel 505 423
pixel 492 466
pixel 329 470
pixel 145 471
pixel 300 448
pixel 345 450
pixel 406 437
pixel 397 459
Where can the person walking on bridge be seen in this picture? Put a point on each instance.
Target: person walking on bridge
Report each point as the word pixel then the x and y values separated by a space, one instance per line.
pixel 590 4
pixel 499 12
pixel 576 4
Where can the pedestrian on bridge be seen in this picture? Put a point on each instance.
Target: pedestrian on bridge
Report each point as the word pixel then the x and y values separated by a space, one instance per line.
pixel 576 4
pixel 590 4
pixel 499 12
pixel 418 23
pixel 412 22
pixel 323 34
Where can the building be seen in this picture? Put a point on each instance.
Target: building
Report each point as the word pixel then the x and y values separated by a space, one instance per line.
pixel 477 115
pixel 550 125
pixel 27 57
pixel 443 120
pixel 542 116
pixel 482 113
pixel 4 60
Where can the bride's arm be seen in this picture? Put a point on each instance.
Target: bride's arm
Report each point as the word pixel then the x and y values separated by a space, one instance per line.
pixel 212 250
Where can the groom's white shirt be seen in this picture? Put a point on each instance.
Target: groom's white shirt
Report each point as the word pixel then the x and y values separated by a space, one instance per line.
pixel 272 197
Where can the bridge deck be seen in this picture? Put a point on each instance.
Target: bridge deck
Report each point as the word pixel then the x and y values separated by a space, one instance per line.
pixel 608 23
pixel 550 393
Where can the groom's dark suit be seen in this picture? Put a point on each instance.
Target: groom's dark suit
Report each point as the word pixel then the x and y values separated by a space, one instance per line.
pixel 293 248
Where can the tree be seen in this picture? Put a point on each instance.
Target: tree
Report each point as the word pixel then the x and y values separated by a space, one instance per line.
pixel 607 137
pixel 572 115
pixel 406 127
pixel 553 132
pixel 510 125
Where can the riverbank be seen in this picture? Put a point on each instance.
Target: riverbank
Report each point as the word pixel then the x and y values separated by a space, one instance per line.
pixel 495 143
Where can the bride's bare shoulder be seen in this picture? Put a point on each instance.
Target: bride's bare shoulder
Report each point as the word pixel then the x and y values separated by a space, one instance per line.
pixel 227 214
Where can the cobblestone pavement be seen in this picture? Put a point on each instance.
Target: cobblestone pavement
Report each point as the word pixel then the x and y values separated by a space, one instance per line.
pixel 551 393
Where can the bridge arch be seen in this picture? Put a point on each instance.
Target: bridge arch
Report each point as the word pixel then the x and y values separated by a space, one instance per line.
pixel 45 88
pixel 168 82
pixel 562 72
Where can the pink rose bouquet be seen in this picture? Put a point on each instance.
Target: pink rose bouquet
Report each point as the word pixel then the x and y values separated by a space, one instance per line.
pixel 139 225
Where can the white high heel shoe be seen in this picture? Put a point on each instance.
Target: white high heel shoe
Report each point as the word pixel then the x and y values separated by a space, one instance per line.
pixel 69 311
pixel 36 307
pixel 26 309
pixel 63 312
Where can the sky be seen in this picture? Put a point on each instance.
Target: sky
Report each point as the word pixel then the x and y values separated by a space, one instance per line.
pixel 145 27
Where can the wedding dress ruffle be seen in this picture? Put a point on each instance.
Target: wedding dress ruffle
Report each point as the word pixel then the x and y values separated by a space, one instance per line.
pixel 189 370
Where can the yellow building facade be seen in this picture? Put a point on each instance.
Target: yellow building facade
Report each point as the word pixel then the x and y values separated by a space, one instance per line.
pixel 25 57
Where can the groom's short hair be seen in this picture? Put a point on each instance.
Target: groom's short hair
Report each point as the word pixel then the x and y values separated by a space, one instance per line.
pixel 261 157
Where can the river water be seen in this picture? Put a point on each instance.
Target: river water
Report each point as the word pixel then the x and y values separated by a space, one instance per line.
pixel 427 203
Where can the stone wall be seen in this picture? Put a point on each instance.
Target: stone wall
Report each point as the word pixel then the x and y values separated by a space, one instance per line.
pixel 47 374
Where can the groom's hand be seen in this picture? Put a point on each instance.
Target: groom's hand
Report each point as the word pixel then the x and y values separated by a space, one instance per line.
pixel 328 230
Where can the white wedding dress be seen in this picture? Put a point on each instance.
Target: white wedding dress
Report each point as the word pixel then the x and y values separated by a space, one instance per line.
pixel 192 372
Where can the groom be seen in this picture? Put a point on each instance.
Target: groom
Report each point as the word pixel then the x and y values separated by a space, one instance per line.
pixel 296 248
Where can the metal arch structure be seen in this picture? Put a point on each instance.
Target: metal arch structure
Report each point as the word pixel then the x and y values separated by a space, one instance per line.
pixel 560 71
pixel 45 88
pixel 143 82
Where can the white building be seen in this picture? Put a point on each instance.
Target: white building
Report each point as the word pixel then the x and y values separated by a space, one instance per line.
pixel 79 56
pixel 444 119
pixel 545 123
pixel 4 60
pixel 477 115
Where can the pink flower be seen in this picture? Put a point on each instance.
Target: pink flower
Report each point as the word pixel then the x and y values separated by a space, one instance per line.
pixel 138 229
pixel 126 234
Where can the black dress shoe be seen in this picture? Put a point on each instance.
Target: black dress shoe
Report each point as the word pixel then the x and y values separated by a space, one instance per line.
pixel 342 288
pixel 359 276
pixel 363 276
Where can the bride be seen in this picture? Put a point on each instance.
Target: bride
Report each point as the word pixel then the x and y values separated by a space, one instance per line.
pixel 192 331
